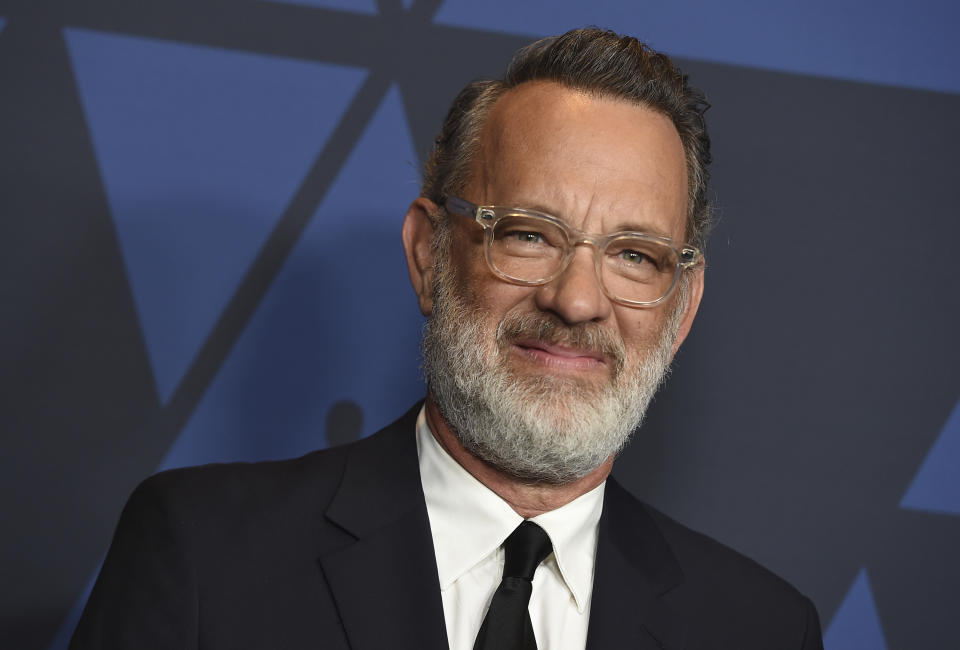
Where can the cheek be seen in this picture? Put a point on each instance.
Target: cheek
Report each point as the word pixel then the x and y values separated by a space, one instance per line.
pixel 496 298
pixel 640 329
pixel 468 263
pixel 484 292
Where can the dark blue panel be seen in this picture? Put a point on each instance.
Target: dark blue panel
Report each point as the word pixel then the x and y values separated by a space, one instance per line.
pixel 338 327
pixel 885 41
pixel 361 6
pixel 856 625
pixel 3 21
pixel 936 487
pixel 200 150
pixel 69 624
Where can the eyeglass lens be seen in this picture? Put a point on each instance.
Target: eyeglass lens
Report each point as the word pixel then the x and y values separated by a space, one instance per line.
pixel 531 250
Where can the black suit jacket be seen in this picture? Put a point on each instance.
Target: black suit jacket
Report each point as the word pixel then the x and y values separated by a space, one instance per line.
pixel 333 550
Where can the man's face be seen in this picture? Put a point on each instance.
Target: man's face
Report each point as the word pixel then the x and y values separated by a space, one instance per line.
pixel 569 370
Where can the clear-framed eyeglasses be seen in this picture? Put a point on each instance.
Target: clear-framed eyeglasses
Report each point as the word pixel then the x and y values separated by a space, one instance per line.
pixel 530 248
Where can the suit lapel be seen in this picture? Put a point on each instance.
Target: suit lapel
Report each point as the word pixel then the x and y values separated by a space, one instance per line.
pixel 635 567
pixel 385 582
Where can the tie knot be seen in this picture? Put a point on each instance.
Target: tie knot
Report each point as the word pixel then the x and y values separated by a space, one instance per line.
pixel 524 550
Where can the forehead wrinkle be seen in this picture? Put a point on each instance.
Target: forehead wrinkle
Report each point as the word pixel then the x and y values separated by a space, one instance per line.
pixel 587 187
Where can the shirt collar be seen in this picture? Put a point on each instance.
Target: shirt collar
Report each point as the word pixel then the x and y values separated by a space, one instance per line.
pixel 468 521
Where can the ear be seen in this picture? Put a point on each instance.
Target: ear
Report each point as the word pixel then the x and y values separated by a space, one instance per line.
pixel 417 235
pixel 690 309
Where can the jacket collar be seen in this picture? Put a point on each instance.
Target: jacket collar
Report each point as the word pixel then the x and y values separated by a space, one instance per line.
pixel 385 580
pixel 635 567
pixel 385 583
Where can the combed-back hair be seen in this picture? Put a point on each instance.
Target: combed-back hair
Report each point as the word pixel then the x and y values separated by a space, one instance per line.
pixel 598 62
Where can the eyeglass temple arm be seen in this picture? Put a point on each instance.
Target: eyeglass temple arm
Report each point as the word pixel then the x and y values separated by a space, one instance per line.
pixel 460 206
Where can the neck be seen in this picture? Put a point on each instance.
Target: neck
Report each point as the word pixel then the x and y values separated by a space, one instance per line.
pixel 527 499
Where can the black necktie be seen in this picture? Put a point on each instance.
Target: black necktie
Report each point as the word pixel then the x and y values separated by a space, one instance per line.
pixel 507 623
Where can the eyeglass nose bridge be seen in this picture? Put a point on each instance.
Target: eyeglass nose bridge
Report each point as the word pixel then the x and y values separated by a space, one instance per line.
pixel 583 239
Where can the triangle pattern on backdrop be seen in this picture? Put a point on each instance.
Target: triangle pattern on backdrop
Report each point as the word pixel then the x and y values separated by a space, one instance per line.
pixel 936 487
pixel 200 149
pixel 338 331
pixel 856 625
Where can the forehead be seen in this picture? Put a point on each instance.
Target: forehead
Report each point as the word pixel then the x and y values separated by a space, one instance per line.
pixel 601 163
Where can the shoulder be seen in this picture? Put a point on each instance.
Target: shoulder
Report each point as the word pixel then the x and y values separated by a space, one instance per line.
pixel 229 548
pixel 706 561
pixel 728 599
pixel 733 596
pixel 265 499
pixel 202 510
pixel 261 485
pixel 269 488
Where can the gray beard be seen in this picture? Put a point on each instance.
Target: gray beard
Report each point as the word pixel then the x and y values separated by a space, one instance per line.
pixel 538 429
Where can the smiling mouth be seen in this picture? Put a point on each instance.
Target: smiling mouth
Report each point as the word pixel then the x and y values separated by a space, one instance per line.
pixel 559 357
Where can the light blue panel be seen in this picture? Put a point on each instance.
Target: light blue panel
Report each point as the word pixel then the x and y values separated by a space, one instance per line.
pixel 200 150
pixel 856 625
pixel 3 21
pixel 360 6
pixel 339 323
pixel 936 487
pixel 878 41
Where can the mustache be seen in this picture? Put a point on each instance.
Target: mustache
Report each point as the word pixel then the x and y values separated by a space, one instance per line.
pixel 548 328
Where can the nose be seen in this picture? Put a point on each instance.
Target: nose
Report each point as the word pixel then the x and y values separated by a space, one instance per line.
pixel 576 295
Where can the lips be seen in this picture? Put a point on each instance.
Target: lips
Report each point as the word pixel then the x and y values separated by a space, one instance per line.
pixel 559 356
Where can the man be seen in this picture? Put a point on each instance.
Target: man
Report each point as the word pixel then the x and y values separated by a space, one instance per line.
pixel 556 251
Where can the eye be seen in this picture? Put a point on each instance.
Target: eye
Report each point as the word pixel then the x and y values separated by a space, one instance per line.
pixel 634 257
pixel 525 236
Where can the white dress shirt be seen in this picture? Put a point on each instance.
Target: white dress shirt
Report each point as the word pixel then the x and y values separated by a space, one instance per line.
pixel 469 523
